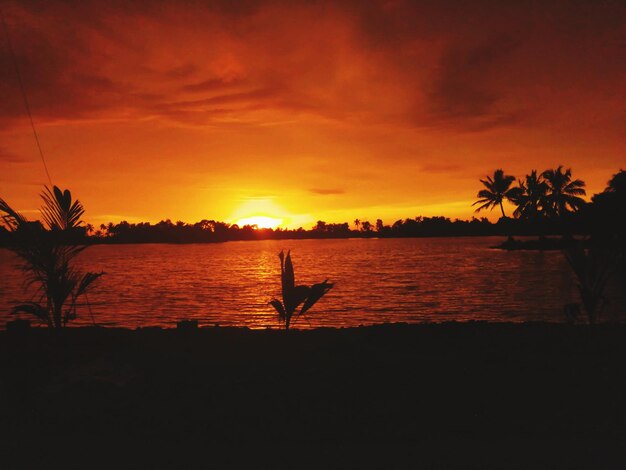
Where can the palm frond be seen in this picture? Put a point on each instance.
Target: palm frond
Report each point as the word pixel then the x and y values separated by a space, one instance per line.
pixel 32 308
pixel 277 304
pixel 486 194
pixel 86 281
pixel 514 194
pixel 317 292
pixel 488 183
pixel 574 191
pixel 486 205
pixel 295 297
pixel 58 211
pixel 11 218
pixel 288 275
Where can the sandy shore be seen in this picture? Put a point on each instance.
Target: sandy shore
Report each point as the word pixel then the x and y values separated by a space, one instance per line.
pixel 434 396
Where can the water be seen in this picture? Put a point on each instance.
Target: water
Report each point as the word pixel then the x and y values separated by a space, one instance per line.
pixel 376 281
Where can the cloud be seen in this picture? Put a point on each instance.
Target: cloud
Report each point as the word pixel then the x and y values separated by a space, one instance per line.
pixel 327 191
pixel 182 71
pixel 434 64
pixel 306 99
pixel 469 86
pixel 440 168
pixel 210 85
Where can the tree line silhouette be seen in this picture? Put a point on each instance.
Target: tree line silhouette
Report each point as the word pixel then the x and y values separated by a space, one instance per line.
pixel 547 203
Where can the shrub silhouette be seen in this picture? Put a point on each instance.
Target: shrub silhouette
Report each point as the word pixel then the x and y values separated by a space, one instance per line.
pixel 592 269
pixel 48 256
pixel 294 295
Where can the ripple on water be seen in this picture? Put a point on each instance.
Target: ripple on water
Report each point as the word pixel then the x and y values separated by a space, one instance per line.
pixel 412 280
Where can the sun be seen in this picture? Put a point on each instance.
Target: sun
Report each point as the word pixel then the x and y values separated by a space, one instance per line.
pixel 261 221
pixel 262 212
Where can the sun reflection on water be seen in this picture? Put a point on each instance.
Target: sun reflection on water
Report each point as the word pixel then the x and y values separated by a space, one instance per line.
pixel 376 281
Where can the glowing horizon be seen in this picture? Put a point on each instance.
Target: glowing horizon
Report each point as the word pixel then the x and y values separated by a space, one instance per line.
pixel 305 111
pixel 260 221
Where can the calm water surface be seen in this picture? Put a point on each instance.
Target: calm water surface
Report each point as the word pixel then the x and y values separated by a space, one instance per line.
pixel 376 281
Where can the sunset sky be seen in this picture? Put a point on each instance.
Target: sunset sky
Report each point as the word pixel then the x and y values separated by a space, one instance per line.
pixel 306 110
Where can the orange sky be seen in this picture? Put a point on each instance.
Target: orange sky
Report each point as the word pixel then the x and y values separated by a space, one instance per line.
pixel 306 110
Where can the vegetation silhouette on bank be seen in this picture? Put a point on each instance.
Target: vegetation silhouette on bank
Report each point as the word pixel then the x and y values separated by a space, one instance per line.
pixel 295 295
pixel 550 195
pixel 592 267
pixel 547 203
pixel 47 252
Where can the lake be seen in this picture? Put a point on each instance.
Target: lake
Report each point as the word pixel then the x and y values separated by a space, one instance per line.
pixel 376 281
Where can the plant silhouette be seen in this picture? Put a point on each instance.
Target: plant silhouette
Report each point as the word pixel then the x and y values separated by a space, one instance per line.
pixel 48 255
pixel 609 216
pixel 563 192
pixel 592 269
pixel 531 197
pixel 497 189
pixel 294 295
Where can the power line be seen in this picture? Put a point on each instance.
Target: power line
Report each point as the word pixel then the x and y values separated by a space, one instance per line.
pixel 26 105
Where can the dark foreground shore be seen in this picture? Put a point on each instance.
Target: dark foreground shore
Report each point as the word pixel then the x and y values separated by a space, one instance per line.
pixel 472 395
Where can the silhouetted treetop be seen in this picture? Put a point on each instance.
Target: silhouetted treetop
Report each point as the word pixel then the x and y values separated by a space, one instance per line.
pixel 531 198
pixel 563 192
pixel 498 188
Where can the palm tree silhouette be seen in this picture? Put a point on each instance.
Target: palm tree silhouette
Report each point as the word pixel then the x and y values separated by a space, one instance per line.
pixel 531 200
pixel 563 193
pixel 48 256
pixel 498 189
